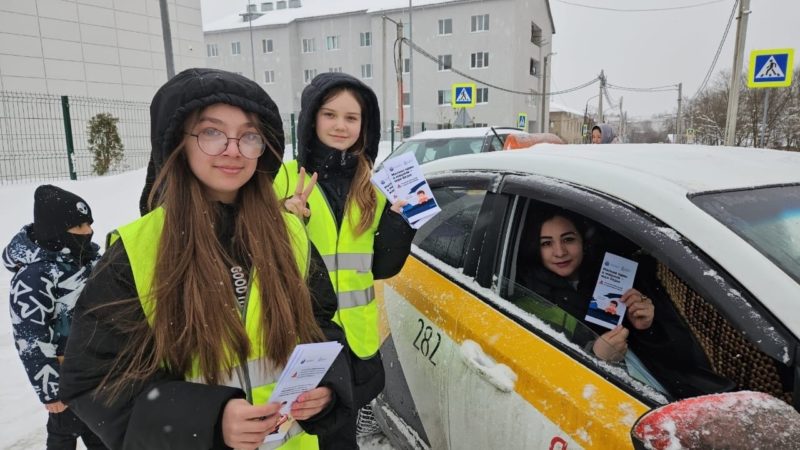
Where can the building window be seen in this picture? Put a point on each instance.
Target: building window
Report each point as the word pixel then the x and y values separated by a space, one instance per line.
pixel 478 60
pixel 269 76
pixel 308 45
pixel 534 69
pixel 536 34
pixel 406 98
pixel 211 50
pixel 281 4
pixel 294 4
pixel 445 96
pixel 251 8
pixel 366 71
pixel 366 39
pixel 266 45
pixel 480 23
pixel 236 48
pixel 308 75
pixel 482 95
pixel 406 65
pixel 266 6
pixel 445 62
pixel 335 69
pixel 445 26
pixel 332 42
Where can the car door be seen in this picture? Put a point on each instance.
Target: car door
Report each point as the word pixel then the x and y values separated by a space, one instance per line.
pixel 739 344
pixel 514 382
pixel 418 310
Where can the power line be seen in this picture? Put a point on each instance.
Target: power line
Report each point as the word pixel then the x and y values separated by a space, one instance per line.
pixel 435 59
pixel 719 50
pixel 673 8
pixel 668 87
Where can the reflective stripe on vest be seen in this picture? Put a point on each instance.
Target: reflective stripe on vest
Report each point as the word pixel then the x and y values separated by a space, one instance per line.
pixel 258 377
pixel 348 259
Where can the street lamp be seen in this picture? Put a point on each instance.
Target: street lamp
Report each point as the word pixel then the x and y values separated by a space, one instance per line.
pixel 544 128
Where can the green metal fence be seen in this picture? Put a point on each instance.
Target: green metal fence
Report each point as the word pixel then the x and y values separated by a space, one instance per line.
pixel 37 132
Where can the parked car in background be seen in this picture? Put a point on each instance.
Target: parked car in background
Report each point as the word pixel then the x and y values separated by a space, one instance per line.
pixel 433 145
pixel 716 230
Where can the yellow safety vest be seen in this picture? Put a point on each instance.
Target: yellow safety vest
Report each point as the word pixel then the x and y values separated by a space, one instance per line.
pixel 348 259
pixel 141 238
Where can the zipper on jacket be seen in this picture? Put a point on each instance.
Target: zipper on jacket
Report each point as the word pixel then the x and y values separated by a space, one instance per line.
pixel 244 373
pixel 336 247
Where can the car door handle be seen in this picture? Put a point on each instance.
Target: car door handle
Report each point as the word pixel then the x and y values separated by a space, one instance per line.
pixel 498 375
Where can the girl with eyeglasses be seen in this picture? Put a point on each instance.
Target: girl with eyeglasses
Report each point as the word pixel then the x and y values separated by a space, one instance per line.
pixel 181 334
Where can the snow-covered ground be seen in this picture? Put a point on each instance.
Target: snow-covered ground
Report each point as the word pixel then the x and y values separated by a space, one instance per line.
pixel 114 201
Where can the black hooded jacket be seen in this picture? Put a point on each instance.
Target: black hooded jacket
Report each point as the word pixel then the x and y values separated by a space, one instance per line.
pixel 336 169
pixel 166 411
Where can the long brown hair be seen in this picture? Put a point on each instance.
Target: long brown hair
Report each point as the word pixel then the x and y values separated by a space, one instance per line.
pixel 196 316
pixel 361 191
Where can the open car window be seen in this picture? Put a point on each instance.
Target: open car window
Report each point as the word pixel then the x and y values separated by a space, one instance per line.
pixel 580 338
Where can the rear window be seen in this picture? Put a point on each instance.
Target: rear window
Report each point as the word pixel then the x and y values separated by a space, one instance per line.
pixel 433 149
pixel 767 218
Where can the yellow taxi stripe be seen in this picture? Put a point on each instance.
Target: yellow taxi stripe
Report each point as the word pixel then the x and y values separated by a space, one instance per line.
pixel 593 411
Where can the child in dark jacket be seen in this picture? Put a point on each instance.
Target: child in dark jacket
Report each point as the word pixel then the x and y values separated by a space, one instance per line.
pixel 51 260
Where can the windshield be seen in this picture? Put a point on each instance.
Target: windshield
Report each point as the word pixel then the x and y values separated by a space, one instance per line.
pixel 767 218
pixel 433 149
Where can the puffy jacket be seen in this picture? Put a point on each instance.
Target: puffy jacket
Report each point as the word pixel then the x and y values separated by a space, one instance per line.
pixel 142 419
pixel 44 289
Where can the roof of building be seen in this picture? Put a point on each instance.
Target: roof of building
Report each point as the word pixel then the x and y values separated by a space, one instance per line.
pixel 321 8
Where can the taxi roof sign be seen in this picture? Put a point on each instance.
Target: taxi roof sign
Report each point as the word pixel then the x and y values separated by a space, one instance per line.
pixel 463 95
pixel 770 68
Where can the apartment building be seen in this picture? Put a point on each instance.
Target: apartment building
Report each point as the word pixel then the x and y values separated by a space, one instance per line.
pixel 96 48
pixel 501 46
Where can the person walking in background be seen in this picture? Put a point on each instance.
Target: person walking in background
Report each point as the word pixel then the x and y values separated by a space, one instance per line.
pixel 167 351
pixel 51 260
pixel 360 235
pixel 602 133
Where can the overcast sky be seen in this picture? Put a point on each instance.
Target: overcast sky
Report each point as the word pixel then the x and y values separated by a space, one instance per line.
pixel 641 49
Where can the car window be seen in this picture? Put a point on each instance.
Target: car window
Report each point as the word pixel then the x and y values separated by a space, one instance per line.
pixel 447 234
pixel 569 330
pixel 703 345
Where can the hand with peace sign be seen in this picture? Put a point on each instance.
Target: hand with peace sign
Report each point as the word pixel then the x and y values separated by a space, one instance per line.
pixel 296 204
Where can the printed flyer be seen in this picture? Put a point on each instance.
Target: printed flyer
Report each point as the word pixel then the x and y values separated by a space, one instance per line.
pixel 616 277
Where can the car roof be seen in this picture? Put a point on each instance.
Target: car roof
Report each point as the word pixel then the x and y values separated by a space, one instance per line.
pixel 458 132
pixel 657 178
pixel 688 168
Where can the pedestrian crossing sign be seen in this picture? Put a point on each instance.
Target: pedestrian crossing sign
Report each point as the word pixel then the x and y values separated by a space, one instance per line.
pixel 463 95
pixel 522 121
pixel 770 68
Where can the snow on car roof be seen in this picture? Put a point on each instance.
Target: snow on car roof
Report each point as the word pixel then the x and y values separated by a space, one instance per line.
pixel 691 168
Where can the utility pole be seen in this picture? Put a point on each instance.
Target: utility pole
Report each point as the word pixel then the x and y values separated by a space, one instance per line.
pixel 621 122
pixel 410 72
pixel 544 128
pixel 678 135
pixel 733 94
pixel 167 35
pixel 600 102
pixel 400 80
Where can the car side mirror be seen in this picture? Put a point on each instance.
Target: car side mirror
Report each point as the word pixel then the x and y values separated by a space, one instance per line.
pixel 732 420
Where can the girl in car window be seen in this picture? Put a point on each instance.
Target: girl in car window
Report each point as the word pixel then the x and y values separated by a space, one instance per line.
pixel 360 235
pixel 562 274
pixel 180 335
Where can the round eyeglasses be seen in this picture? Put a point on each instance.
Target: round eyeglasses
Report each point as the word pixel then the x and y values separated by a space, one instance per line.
pixel 213 142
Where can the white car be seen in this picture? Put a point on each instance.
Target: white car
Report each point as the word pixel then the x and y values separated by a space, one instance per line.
pixel 431 145
pixel 472 365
